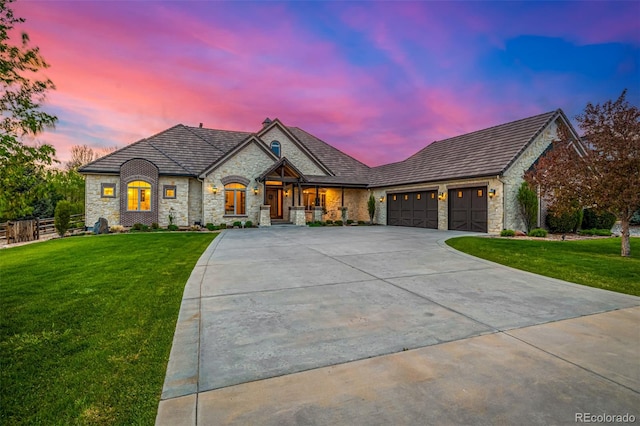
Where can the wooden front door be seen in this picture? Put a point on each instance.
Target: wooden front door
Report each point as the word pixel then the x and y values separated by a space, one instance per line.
pixel 274 199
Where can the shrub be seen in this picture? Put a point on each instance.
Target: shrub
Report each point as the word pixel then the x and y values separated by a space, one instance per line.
pixel 598 220
pixel 361 222
pixel 62 217
pixel 339 222
pixel 538 232
pixel 155 226
pixel 371 207
pixel 210 226
pixel 565 222
pixel 507 233
pixel 635 219
pixel 237 223
pixel 528 203
pixel 173 227
pixel 349 222
pixel 137 227
pixel 248 224
pixel 329 222
pixel 116 228
pixel 223 226
pixel 195 227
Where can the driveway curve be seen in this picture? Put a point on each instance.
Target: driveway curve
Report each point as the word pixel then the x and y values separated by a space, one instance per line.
pixel 388 325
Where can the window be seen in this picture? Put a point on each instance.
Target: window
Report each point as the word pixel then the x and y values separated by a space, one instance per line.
pixel 235 199
pixel 139 196
pixel 108 190
pixel 395 197
pixel 433 195
pixel 310 199
pixel 275 147
pixel 459 194
pixel 418 196
pixel 169 191
pixel 479 192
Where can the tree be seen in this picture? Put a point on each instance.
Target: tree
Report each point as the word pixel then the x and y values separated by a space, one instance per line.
pixel 528 203
pixel 62 218
pixel 80 155
pixel 22 167
pixel 606 174
pixel 371 207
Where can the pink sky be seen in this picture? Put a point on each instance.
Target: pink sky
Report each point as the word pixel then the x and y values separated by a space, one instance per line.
pixel 378 80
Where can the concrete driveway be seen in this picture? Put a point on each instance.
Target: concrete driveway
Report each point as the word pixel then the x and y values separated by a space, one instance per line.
pixel 387 325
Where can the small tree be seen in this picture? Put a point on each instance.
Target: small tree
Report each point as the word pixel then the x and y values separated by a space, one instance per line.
pixel 371 206
pixel 62 219
pixel 602 172
pixel 528 202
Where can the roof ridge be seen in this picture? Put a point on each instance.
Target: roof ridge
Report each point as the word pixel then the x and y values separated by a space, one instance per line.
pixel 171 158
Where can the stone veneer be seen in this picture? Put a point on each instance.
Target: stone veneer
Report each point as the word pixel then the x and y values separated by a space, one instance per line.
pixel 180 204
pixel 96 206
pixel 290 150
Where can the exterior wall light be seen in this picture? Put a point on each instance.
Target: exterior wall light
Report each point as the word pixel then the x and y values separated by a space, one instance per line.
pixel 286 193
pixel 255 190
pixel 214 189
pixel 442 196
pixel 492 193
pixel 382 199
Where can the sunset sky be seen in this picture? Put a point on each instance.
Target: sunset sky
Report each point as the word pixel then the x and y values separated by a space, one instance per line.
pixel 378 80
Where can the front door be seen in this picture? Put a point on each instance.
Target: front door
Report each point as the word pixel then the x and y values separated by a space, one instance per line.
pixel 274 199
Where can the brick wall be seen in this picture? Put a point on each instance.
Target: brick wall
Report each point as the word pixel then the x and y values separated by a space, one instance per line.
pixel 139 169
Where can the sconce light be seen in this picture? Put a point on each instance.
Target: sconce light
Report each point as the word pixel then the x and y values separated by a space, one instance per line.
pixel 492 193
pixel 442 196
pixel 214 189
pixel 382 199
pixel 255 190
pixel 286 193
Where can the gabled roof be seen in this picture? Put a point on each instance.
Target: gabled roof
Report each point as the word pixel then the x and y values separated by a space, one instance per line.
pixel 286 169
pixel 487 152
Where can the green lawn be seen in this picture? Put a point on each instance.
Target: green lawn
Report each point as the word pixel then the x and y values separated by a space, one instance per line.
pixel 596 262
pixel 86 326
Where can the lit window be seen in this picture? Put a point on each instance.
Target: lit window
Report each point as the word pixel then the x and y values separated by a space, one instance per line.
pixel 418 196
pixel 275 147
pixel 169 191
pixel 459 194
pixel 235 199
pixel 310 199
pixel 108 190
pixel 433 195
pixel 395 198
pixel 406 196
pixel 139 196
pixel 479 192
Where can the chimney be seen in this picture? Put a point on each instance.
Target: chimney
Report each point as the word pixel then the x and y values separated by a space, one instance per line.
pixel 200 125
pixel 266 122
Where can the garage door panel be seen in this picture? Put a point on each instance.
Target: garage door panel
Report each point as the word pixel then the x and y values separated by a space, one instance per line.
pixel 468 209
pixel 393 210
pixel 416 209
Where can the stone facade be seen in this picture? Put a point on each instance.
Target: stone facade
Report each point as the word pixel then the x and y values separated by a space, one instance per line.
pixel 178 207
pixel 290 150
pixel 97 206
pixel 514 177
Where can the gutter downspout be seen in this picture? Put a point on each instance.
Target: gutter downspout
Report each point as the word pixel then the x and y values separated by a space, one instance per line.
pixel 504 201
pixel 202 202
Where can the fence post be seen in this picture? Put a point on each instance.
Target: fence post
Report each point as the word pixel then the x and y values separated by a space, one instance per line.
pixel 37 236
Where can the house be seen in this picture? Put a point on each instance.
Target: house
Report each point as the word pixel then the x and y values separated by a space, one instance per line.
pixel 283 174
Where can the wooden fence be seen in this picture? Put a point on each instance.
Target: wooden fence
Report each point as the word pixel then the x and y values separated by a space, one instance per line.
pixel 28 230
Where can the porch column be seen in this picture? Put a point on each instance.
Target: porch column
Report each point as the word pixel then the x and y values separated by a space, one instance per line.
pixel 297 216
pixel 317 214
pixel 265 216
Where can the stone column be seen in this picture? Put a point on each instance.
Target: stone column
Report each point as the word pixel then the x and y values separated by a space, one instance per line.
pixel 297 216
pixel 317 214
pixel 345 215
pixel 265 216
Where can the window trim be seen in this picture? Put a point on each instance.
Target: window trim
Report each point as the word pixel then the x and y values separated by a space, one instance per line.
pixel 166 188
pixel 104 186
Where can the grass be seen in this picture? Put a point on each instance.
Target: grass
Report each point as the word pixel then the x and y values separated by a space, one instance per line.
pixel 86 326
pixel 595 263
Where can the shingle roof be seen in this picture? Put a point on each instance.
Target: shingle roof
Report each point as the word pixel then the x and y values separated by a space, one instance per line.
pixel 191 151
pixel 482 153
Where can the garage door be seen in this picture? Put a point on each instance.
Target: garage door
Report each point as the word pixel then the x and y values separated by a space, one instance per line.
pixel 468 209
pixel 418 209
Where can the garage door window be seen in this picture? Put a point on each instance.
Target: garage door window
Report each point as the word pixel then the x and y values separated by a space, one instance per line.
pixel 479 192
pixel 459 194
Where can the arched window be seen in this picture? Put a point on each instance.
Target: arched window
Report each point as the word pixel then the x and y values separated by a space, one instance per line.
pixel 275 147
pixel 139 196
pixel 235 199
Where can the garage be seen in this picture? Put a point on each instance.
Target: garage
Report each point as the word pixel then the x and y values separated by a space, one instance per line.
pixel 468 209
pixel 418 209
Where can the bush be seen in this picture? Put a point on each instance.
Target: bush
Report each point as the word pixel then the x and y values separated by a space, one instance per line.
pixel 137 227
pixel 223 226
pixel 210 226
pixel 538 232
pixel 361 222
pixel 116 228
pixel 237 223
pixel 563 223
pixel 598 220
pixel 248 224
pixel 349 222
pixel 195 227
pixel 173 227
pixel 339 222
pixel 635 219
pixel 508 233
pixel 155 226
pixel 62 218
pixel 329 222
pixel 528 203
